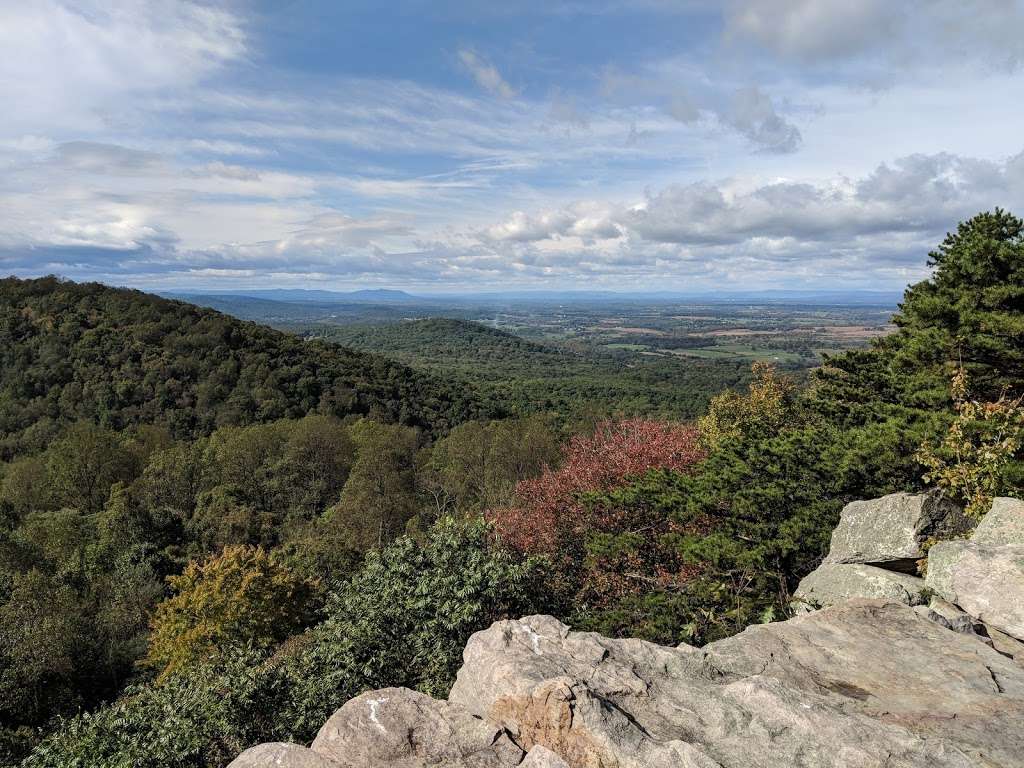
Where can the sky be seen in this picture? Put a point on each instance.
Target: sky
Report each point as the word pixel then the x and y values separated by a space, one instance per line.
pixel 459 146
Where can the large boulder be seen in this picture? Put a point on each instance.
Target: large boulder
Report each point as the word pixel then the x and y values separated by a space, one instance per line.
pixel 986 581
pixel 833 583
pixel 279 755
pixel 1003 524
pixel 866 683
pixel 399 728
pixel 890 531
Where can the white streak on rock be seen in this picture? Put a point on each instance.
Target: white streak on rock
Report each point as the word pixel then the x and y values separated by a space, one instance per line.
pixel 534 638
pixel 374 703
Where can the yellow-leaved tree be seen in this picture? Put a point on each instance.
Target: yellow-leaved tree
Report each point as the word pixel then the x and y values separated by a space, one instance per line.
pixel 970 459
pixel 243 596
pixel 763 409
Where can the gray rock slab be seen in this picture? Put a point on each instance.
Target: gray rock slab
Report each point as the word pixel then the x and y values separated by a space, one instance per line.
pixel 400 728
pixel 1003 524
pixel 832 583
pixel 280 755
pixel 986 581
pixel 891 530
pixel 865 683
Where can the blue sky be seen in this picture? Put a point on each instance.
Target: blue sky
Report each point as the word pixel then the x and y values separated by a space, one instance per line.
pixel 624 144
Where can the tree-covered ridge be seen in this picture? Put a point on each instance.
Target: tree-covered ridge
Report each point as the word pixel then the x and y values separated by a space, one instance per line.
pixel 121 357
pixel 529 377
pixel 457 341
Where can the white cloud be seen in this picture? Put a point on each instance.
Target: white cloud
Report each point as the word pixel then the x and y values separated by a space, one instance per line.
pixel 920 194
pixel 903 35
pixel 70 64
pixel 877 227
pixel 688 96
pixel 588 221
pixel 812 29
pixel 486 74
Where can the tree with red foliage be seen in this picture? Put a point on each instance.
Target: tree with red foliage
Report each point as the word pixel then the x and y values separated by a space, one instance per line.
pixel 599 554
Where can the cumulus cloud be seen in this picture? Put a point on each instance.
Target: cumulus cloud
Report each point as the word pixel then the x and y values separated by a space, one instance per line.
pixel 486 74
pixel 878 225
pixel 919 194
pixel 586 221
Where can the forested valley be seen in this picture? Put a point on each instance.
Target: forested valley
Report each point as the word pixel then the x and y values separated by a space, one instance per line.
pixel 212 534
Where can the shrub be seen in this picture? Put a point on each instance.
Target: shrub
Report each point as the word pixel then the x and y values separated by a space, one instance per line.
pixel 970 459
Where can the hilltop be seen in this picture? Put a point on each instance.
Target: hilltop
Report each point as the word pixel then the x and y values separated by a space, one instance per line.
pixel 528 376
pixel 122 357
pixel 451 343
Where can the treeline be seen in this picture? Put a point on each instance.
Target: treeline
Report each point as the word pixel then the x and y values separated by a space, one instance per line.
pixel 118 358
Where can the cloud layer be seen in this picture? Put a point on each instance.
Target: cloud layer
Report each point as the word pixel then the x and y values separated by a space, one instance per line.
pixel 639 144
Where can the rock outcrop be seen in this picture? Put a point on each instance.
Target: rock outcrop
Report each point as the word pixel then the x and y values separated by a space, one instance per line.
pixel 398 728
pixel 1004 523
pixel 837 687
pixel 987 581
pixel 976 583
pixel 891 531
pixel 834 583
pixel 868 681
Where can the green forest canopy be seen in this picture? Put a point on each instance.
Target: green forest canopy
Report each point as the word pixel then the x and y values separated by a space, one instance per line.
pixel 120 358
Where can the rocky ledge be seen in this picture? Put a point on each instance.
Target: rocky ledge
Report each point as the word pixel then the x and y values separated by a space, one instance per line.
pixel 910 678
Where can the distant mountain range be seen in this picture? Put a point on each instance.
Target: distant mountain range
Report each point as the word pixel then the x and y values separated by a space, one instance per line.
pixel 305 296
pixel 392 296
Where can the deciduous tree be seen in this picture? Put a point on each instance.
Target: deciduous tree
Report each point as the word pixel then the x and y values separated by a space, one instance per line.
pixel 243 596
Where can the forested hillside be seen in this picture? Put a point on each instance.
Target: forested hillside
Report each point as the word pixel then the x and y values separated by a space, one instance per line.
pixel 121 358
pixel 168 598
pixel 529 377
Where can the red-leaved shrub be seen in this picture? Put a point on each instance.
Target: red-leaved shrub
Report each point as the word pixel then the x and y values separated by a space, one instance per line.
pixel 548 507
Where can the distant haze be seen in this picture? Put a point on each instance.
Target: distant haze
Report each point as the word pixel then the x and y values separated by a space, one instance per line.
pixel 390 296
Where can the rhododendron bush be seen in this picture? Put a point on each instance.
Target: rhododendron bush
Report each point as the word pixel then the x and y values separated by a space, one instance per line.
pixel 598 553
